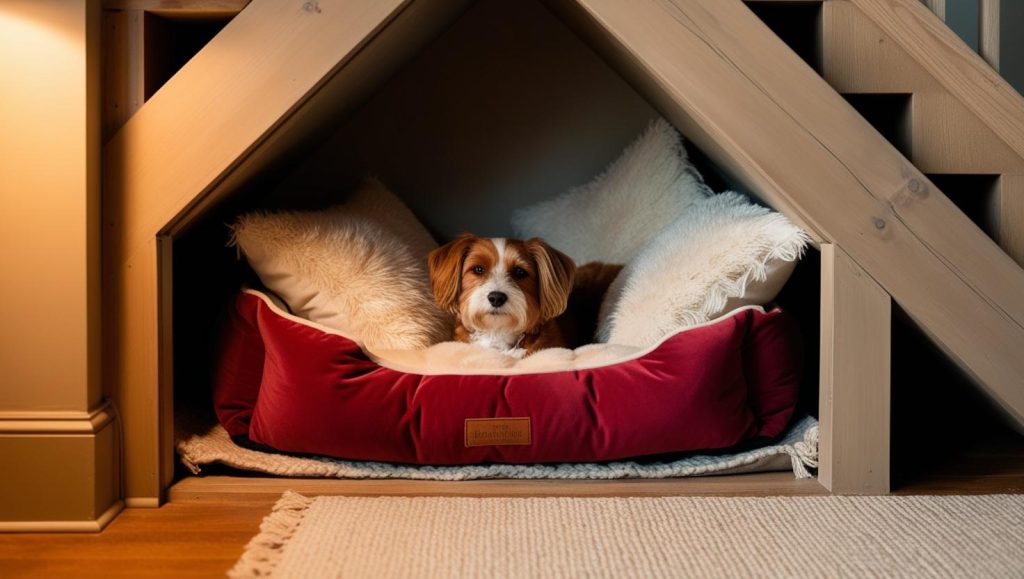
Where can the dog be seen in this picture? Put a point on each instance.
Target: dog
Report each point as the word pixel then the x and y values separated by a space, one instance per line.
pixel 512 295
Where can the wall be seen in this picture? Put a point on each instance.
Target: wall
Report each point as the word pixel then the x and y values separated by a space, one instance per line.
pixel 49 223
pixel 507 107
pixel 56 436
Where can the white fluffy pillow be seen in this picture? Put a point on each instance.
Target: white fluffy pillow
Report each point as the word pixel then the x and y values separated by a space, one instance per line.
pixel 359 268
pixel 614 216
pixel 697 266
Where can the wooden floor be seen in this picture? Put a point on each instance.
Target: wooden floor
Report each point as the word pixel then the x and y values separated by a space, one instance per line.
pixel 176 540
pixel 202 531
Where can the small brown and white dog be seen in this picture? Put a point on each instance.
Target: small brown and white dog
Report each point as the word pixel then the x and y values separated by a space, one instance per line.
pixel 511 294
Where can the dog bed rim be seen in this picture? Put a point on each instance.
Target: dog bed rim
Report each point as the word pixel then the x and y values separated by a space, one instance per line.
pixel 409 369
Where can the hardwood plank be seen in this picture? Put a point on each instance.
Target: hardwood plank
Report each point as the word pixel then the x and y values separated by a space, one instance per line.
pixel 855 370
pixel 230 488
pixel 173 541
pixel 716 72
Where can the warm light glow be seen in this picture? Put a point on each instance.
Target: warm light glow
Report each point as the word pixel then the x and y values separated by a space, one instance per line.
pixel 44 179
pixel 40 52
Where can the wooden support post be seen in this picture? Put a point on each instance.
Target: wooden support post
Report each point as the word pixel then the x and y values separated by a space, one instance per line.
pixel 123 67
pixel 936 6
pixel 988 31
pixel 1010 225
pixel 855 360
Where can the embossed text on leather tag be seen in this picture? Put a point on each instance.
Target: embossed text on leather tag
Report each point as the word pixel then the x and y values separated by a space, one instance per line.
pixel 497 431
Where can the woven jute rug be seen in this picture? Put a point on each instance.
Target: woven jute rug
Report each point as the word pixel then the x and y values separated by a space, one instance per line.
pixel 921 536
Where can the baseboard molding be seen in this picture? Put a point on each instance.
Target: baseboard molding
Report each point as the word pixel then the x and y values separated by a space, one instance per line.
pixel 142 502
pixel 93 526
pixel 63 467
pixel 57 422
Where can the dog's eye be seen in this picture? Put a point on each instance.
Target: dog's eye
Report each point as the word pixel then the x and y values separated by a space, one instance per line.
pixel 479 270
pixel 519 273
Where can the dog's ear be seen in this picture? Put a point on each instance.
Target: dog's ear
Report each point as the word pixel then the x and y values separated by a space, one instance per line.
pixel 555 273
pixel 445 264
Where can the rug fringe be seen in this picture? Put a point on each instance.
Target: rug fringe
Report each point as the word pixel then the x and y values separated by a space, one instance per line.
pixel 265 549
pixel 805 453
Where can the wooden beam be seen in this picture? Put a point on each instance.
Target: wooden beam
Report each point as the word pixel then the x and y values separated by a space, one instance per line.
pixel 1010 224
pixel 123 68
pixel 953 64
pixel 734 88
pixel 206 489
pixel 855 374
pixel 988 31
pixel 181 8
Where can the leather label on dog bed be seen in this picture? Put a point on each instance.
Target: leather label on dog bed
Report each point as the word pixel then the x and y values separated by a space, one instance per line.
pixel 497 431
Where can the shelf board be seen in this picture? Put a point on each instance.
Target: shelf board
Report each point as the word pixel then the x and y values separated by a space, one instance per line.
pixel 249 488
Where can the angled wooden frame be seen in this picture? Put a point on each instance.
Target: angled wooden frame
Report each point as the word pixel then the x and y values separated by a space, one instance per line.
pixel 712 67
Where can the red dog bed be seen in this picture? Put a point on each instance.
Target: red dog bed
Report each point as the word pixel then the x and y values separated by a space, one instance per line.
pixel 291 385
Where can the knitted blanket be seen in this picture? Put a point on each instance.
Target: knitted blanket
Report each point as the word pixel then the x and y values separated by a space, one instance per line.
pixel 796 450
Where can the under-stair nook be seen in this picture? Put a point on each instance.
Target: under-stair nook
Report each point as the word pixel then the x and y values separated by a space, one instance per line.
pixel 867 122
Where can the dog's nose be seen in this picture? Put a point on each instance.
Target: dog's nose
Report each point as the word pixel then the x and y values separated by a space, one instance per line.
pixel 497 299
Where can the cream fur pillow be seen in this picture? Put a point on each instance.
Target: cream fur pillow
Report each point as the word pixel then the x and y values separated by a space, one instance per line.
pixel 359 268
pixel 614 216
pixel 699 265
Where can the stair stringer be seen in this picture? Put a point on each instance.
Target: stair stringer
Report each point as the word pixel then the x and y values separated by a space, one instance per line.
pixel 757 109
pixel 948 136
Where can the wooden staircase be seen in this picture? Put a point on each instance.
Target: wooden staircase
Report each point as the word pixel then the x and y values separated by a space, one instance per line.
pixel 912 93
pixel 904 213
pixel 917 111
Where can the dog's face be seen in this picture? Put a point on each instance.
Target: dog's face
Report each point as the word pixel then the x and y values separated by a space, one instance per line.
pixel 501 285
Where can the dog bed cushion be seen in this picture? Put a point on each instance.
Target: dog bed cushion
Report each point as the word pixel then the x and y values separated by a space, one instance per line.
pixel 292 385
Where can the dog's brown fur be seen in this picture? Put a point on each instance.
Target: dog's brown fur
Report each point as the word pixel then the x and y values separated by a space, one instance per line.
pixel 562 302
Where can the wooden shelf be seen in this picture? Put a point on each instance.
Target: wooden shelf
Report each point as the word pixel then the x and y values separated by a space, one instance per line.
pixel 249 488
pixel 181 9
